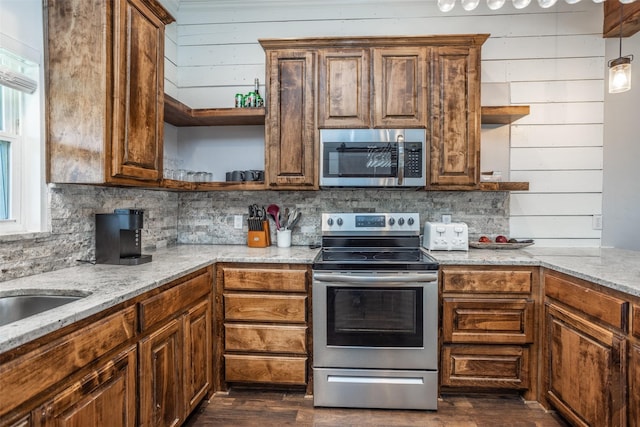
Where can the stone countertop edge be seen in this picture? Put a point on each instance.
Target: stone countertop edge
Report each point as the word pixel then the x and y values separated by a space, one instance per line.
pixel 109 285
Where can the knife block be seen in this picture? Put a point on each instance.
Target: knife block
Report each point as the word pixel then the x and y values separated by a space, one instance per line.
pixel 261 238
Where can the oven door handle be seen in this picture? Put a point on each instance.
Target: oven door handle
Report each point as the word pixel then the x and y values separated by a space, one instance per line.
pixel 397 278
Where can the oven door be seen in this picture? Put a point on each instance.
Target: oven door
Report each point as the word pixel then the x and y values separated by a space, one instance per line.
pixel 383 320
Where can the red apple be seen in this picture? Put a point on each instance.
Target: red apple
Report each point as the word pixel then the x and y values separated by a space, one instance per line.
pixel 484 239
pixel 501 239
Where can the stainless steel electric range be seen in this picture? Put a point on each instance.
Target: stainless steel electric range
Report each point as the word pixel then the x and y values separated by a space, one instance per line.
pixel 375 314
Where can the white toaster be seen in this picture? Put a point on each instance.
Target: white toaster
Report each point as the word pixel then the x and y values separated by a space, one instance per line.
pixel 439 236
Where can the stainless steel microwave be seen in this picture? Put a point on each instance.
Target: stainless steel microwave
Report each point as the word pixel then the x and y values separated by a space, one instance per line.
pixel 372 158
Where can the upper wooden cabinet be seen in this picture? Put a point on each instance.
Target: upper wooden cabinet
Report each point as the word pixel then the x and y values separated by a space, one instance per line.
pixel 430 82
pixel 454 130
pixel 105 91
pixel 343 88
pixel 290 126
pixel 377 87
pixel 399 76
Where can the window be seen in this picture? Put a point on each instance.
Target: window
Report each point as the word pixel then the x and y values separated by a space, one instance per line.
pixel 21 177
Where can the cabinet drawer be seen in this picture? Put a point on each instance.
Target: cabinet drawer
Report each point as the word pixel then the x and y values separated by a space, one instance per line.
pixel 473 281
pixel 606 308
pixel 265 308
pixel 476 366
pixel 26 376
pixel 265 279
pixel 488 321
pixel 266 338
pixel 174 300
pixel 265 369
pixel 635 323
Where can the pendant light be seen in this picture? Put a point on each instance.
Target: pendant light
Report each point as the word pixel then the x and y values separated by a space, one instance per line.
pixel 521 4
pixel 620 68
pixel 469 5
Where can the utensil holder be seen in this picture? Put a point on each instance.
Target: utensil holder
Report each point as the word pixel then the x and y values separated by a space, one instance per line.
pixel 283 238
pixel 259 238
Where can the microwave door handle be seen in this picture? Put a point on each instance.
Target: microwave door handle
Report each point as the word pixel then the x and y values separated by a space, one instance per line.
pixel 400 141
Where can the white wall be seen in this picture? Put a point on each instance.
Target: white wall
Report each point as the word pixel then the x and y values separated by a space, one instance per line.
pixel 621 203
pixel 551 59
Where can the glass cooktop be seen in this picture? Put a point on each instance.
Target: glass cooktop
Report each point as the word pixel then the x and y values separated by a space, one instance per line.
pixel 374 259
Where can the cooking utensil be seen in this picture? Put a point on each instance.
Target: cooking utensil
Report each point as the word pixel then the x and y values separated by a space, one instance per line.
pixel 274 211
pixel 296 217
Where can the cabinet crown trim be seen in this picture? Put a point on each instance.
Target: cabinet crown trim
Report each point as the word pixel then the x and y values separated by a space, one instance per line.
pixel 377 41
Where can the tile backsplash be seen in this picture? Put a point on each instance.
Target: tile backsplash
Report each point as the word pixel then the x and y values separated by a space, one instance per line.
pixel 208 217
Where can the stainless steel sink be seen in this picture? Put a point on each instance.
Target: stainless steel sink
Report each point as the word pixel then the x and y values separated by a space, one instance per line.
pixel 17 307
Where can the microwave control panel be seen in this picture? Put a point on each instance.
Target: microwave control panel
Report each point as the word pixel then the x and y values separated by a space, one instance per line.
pixel 413 160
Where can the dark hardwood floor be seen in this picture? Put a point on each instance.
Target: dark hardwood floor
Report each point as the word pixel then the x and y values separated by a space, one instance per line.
pixel 244 408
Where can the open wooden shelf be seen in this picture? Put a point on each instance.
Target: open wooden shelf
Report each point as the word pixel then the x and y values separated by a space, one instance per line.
pixel 170 184
pixel 178 114
pixel 503 115
pixel 504 186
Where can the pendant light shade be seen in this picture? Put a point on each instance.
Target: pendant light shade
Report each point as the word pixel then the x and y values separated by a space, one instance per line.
pixel 446 5
pixel 495 4
pixel 545 4
pixel 620 75
pixel 620 68
pixel 521 4
pixel 469 5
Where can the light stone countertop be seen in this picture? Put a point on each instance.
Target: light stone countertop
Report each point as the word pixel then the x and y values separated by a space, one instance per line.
pixel 617 269
pixel 108 285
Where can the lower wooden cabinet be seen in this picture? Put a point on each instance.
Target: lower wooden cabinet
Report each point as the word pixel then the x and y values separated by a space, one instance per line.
pixel 73 374
pixel 264 335
pixel 148 362
pixel 175 355
pixel 489 324
pixel 585 352
pixel 104 397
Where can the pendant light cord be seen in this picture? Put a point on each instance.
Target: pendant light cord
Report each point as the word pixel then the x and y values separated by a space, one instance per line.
pixel 621 6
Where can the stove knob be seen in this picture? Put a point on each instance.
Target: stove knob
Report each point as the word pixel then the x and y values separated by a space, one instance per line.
pixel 400 221
pixel 330 222
pixel 410 221
pixel 392 221
pixel 340 222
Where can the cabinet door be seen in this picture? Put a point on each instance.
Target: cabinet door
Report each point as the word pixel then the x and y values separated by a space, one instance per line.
pixel 105 397
pixel 198 357
pixel 585 369
pixel 455 118
pixel 343 92
pixel 138 109
pixel 399 78
pixel 161 377
pixel 290 131
pixel 634 386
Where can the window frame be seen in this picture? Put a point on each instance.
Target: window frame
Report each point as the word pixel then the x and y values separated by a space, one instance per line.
pixel 25 133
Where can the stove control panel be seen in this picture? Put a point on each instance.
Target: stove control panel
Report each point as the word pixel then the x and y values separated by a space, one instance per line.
pixel 439 236
pixel 407 223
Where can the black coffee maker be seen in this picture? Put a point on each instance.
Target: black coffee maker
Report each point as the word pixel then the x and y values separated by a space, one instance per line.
pixel 118 238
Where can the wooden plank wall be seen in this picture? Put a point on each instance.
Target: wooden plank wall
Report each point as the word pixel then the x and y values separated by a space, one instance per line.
pixel 551 59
